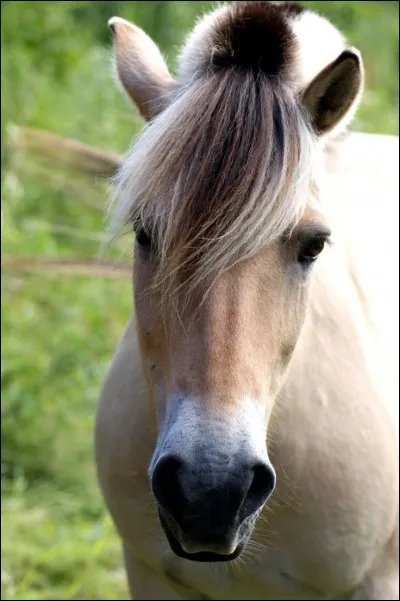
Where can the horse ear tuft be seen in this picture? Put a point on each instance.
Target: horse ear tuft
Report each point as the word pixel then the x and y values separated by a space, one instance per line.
pixel 333 96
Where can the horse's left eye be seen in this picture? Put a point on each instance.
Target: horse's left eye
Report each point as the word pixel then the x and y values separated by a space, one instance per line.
pixel 143 239
pixel 311 249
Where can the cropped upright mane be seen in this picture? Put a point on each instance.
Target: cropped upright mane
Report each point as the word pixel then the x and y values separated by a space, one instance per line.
pixel 226 168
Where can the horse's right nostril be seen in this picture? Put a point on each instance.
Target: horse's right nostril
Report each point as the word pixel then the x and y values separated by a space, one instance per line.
pixel 261 487
pixel 166 484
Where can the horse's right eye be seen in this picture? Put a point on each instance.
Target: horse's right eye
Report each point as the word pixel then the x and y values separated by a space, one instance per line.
pixel 143 239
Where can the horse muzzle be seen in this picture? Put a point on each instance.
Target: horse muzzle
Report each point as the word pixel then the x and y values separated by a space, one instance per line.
pixel 208 511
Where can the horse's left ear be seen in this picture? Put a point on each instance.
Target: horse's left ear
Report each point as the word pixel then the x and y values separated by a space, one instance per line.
pixel 333 96
pixel 141 68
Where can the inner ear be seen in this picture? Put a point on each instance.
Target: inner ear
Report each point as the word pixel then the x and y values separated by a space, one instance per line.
pixel 334 94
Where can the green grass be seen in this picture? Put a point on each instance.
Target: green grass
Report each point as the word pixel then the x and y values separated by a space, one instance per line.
pixel 55 545
pixel 59 332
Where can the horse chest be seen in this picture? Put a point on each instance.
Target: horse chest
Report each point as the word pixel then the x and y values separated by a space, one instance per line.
pixel 264 578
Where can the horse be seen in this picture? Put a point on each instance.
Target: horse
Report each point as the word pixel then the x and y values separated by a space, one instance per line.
pixel 247 432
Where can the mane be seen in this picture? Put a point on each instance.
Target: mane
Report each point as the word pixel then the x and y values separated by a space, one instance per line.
pixel 227 168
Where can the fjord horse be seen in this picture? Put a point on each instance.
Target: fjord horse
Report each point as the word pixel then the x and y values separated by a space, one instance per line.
pixel 246 439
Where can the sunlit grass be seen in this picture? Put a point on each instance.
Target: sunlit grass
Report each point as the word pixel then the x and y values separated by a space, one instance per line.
pixel 56 545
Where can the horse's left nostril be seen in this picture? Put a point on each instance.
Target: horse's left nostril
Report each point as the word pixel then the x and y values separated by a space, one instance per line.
pixel 261 487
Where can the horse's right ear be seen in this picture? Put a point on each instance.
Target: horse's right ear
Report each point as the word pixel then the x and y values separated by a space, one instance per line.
pixel 141 68
pixel 334 94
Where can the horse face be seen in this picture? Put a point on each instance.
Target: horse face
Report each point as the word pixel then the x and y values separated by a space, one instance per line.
pixel 214 374
pixel 214 370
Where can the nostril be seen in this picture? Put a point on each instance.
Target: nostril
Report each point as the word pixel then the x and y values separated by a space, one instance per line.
pixel 166 483
pixel 173 483
pixel 261 487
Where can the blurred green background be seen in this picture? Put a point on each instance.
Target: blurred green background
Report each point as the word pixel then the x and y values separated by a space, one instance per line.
pixel 60 328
